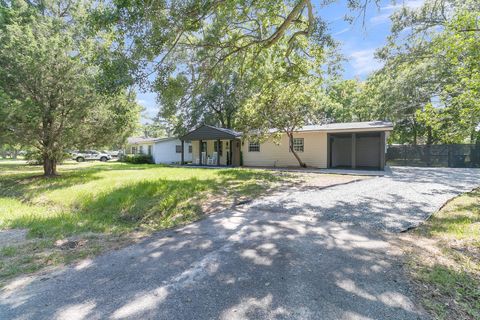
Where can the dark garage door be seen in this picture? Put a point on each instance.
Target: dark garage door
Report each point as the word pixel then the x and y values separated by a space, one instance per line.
pixel 366 147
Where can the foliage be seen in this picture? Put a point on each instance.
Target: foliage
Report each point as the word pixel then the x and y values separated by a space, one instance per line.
pixel 137 158
pixel 354 100
pixel 52 94
pixel 215 102
pixel 284 106
pixel 204 56
pixel 430 80
pixel 155 129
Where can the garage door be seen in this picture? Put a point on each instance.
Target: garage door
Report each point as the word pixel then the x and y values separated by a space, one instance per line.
pixel 368 150
pixel 366 146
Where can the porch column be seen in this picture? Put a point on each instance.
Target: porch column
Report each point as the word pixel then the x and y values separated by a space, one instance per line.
pixel 382 150
pixel 354 150
pixel 218 152
pixel 329 151
pixel 182 162
pixel 200 143
pixel 231 153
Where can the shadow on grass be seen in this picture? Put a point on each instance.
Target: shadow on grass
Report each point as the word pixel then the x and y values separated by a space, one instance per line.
pixel 150 204
pixel 245 174
pixel 450 286
pixel 457 219
pixel 457 292
pixel 24 186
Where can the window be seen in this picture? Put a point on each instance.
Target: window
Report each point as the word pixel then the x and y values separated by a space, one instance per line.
pixel 215 147
pixel 253 147
pixel 134 150
pixel 140 150
pixel 298 144
pixel 190 149
pixel 178 148
pixel 149 150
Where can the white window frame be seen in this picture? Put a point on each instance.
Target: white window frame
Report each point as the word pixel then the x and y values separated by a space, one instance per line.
pixel 140 149
pixel 178 148
pixel 253 146
pixel 298 144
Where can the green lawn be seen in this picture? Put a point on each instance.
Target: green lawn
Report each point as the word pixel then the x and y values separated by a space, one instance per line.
pixel 102 202
pixel 445 259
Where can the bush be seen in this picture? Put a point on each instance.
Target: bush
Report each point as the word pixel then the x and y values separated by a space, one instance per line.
pixel 137 158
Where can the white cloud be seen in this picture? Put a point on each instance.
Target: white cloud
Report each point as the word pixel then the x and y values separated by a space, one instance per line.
pixel 364 62
pixel 379 19
pixel 341 31
pixel 389 9
pixel 413 4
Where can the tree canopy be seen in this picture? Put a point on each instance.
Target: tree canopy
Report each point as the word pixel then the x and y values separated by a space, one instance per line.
pixel 52 81
pixel 431 72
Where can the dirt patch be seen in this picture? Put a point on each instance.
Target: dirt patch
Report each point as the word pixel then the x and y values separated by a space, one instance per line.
pixel 39 256
pixel 296 181
pixel 321 181
pixel 12 237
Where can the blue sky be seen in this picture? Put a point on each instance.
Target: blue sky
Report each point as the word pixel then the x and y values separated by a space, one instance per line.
pixel 358 40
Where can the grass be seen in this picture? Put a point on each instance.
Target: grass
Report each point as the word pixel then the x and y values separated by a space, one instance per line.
pixel 445 259
pixel 108 201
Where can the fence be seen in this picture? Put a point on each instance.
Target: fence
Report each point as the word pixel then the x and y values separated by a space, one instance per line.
pixel 440 155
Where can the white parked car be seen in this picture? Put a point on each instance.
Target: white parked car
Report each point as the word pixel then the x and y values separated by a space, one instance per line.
pixel 114 153
pixel 81 156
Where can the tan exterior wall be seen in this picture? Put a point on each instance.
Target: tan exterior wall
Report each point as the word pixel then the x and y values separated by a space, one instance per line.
pixel 271 154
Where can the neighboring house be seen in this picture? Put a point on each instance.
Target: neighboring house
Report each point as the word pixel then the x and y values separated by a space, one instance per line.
pixel 162 150
pixel 137 145
pixel 357 145
pixel 169 150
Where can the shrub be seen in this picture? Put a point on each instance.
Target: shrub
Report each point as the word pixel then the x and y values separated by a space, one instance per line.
pixel 137 158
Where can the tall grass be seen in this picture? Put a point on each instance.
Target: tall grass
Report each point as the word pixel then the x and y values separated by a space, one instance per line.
pixel 116 197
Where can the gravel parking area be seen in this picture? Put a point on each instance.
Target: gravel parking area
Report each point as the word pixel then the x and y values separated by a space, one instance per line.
pixel 298 254
pixel 395 202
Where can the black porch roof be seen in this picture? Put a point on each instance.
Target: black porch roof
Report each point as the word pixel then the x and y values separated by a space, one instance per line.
pixel 206 132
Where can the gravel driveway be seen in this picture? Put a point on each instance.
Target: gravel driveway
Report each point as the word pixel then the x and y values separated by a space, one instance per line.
pixel 313 254
pixel 400 200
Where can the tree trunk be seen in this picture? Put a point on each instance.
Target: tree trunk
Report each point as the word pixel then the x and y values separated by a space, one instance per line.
pixel 290 142
pixel 49 167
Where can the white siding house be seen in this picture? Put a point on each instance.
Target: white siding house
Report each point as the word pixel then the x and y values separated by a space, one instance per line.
pixel 169 150
pixel 137 145
pixel 162 150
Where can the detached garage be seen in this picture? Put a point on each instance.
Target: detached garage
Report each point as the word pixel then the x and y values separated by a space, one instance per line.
pixel 357 150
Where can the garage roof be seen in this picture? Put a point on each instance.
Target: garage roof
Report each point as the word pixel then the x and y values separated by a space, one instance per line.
pixel 139 140
pixel 351 126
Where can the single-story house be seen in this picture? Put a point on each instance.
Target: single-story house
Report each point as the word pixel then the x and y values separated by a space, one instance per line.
pixel 162 150
pixel 356 145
